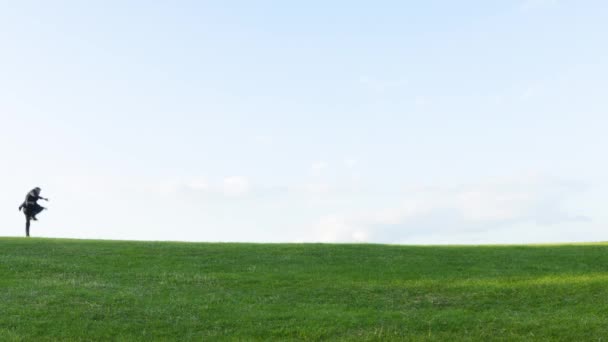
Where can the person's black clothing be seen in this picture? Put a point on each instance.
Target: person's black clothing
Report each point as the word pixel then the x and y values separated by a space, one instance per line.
pixel 31 208
pixel 32 197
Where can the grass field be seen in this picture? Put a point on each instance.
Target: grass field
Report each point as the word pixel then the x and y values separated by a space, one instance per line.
pixel 106 290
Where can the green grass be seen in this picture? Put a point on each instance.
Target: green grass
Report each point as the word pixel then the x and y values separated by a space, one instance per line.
pixel 106 290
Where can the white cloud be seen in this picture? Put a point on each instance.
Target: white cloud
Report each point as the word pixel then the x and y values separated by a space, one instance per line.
pixel 199 185
pixel 334 228
pixel 312 189
pixel 235 186
pixel 528 209
pixel 474 208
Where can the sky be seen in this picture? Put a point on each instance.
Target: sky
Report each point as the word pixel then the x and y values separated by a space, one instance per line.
pixel 400 122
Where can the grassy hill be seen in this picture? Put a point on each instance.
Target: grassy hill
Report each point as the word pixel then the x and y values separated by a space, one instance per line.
pixel 106 290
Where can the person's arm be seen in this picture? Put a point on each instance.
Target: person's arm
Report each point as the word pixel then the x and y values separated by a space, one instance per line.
pixel 38 197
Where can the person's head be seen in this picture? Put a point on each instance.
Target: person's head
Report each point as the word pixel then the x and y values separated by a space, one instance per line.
pixel 37 190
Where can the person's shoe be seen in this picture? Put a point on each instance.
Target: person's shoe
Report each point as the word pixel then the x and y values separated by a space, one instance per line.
pixel 34 218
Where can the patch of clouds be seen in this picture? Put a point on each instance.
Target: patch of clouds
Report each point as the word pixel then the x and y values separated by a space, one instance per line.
pixel 336 228
pixel 525 209
pixel 236 186
pixel 311 189
pixel 474 209
pixel 199 185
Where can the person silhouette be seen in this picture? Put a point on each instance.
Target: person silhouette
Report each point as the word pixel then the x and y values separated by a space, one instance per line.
pixel 31 208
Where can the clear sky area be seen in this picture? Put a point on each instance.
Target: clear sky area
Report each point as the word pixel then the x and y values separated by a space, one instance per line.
pixel 405 122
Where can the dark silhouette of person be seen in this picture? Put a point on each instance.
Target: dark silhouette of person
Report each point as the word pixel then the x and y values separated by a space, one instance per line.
pixel 31 208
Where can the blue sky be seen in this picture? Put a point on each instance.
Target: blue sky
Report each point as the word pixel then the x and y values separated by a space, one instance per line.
pixel 341 121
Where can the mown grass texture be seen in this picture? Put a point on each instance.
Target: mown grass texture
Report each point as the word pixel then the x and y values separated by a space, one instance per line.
pixel 80 290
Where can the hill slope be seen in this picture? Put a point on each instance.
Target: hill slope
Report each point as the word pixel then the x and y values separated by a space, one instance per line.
pixel 106 290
